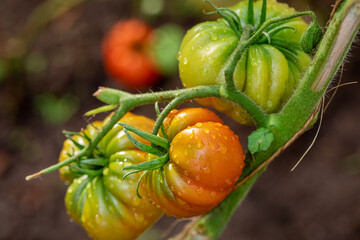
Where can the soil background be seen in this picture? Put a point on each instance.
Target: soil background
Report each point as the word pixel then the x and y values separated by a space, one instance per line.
pixel 320 200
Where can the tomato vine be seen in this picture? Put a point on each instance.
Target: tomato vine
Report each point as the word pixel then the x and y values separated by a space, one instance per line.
pixel 283 125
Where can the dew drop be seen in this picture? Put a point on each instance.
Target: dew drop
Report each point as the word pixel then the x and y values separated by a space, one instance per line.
pixel 199 144
pixel 213 136
pixel 98 219
pixel 228 181
pixel 191 135
pixel 185 61
pixel 223 149
pixel 206 130
pixel 206 170
pixel 207 49
pixel 200 190
pixel 213 36
pixel 199 124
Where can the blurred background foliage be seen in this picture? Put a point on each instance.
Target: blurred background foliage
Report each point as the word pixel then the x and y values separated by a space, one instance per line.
pixel 51 63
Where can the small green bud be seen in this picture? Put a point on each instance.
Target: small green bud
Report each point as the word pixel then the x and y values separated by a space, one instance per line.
pixel 311 38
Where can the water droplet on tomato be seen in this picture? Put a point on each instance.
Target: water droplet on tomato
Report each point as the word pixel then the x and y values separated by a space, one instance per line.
pixel 185 61
pixel 200 190
pixel 199 124
pixel 207 49
pixel 213 36
pixel 98 219
pixel 197 178
pixel 228 181
pixel 223 149
pixel 206 170
pixel 206 130
pixel 199 144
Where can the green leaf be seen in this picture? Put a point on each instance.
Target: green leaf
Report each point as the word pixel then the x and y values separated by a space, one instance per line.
pixel 142 146
pixel 260 140
pixel 162 142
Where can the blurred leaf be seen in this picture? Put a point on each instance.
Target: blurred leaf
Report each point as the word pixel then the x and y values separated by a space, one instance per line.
pixel 151 7
pixel 3 70
pixel 56 111
pixel 35 62
pixel 167 42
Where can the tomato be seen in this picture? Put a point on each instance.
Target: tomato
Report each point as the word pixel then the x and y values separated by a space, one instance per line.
pixel 205 161
pixel 267 72
pixel 127 55
pixel 106 205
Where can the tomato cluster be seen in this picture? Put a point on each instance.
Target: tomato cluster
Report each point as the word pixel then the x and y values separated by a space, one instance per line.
pixel 268 72
pixel 205 161
pixel 97 198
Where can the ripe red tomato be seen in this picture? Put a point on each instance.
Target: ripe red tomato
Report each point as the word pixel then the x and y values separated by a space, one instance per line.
pixel 127 55
pixel 205 161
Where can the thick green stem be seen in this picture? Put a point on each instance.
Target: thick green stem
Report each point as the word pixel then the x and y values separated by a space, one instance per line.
pixel 331 52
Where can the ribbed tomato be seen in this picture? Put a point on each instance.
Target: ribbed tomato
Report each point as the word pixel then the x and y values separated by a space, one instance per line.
pixel 268 72
pixel 205 161
pixel 97 198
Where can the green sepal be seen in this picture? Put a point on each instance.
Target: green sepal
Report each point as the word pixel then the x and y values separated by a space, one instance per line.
pixel 138 184
pixel 263 13
pixel 142 146
pixel 162 142
pixel 78 145
pixel 229 17
pixel 102 109
pixel 250 17
pixel 77 169
pixel 94 162
pixel 260 140
pixel 311 38
pixel 149 165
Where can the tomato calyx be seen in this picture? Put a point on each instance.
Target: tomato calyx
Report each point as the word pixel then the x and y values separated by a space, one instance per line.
pixel 159 147
pixel 92 165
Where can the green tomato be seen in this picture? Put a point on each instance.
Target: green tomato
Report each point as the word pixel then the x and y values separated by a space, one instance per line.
pixel 268 72
pixel 106 205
